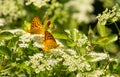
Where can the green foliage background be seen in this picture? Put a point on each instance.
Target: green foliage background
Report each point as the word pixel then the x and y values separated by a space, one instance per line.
pixel 89 38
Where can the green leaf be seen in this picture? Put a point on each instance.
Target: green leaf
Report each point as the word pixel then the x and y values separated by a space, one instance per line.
pixel 6 36
pixel 88 58
pixel 112 38
pixel 41 75
pixel 118 60
pixel 13 43
pixel 101 29
pixel 107 40
pixel 113 48
pixel 5 50
pixel 75 34
pixel 28 69
pixel 70 43
pixel 60 35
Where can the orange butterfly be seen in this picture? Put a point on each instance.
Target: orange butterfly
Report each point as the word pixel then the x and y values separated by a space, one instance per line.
pixel 49 41
pixel 36 26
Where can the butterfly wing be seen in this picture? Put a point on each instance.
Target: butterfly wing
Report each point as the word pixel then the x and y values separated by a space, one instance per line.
pixel 36 26
pixel 49 41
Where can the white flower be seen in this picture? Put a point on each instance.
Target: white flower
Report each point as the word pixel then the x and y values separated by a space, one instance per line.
pixel 110 75
pixel 96 73
pixel 97 56
pixel 37 37
pixel 82 40
pixel 83 7
pixel 2 21
pixel 27 63
pixel 79 74
pixel 68 31
pixel 52 62
pixel 11 9
pixel 75 63
pixel 25 38
pixel 38 3
pixel 84 65
pixel 70 51
pixel 109 15
pixel 40 68
pixel 39 63
pixel 23 45
pixel 36 44
pixel 38 40
pixel 60 43
pixel 38 56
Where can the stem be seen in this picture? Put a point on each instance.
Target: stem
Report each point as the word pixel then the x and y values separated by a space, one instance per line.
pixel 6 69
pixel 107 64
pixel 108 60
pixel 117 28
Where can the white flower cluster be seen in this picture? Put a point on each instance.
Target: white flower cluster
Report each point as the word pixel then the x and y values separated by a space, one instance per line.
pixel 11 9
pixel 110 75
pixel 97 56
pixel 35 62
pixel 83 7
pixel 96 73
pixel 71 51
pixel 39 63
pixel 76 63
pixel 109 15
pixel 24 39
pixel 37 40
pixel 38 3
pixel 83 40
pixel 42 62
pixel 80 39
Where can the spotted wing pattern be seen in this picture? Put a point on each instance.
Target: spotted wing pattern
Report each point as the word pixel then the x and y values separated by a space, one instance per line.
pixel 36 26
pixel 49 41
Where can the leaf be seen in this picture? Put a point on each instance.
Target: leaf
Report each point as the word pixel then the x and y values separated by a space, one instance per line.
pixel 26 26
pixel 60 35
pixel 113 48
pixel 70 43
pixel 40 75
pixel 101 29
pixel 5 50
pixel 6 36
pixel 118 60
pixel 107 40
pixel 75 34
pixel 13 43
pixel 28 69
pixel 112 38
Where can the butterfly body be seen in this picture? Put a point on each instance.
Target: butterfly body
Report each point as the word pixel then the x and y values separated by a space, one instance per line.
pixel 36 26
pixel 49 41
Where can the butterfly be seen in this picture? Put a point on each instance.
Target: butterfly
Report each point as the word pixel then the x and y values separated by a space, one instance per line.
pixel 49 41
pixel 36 26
